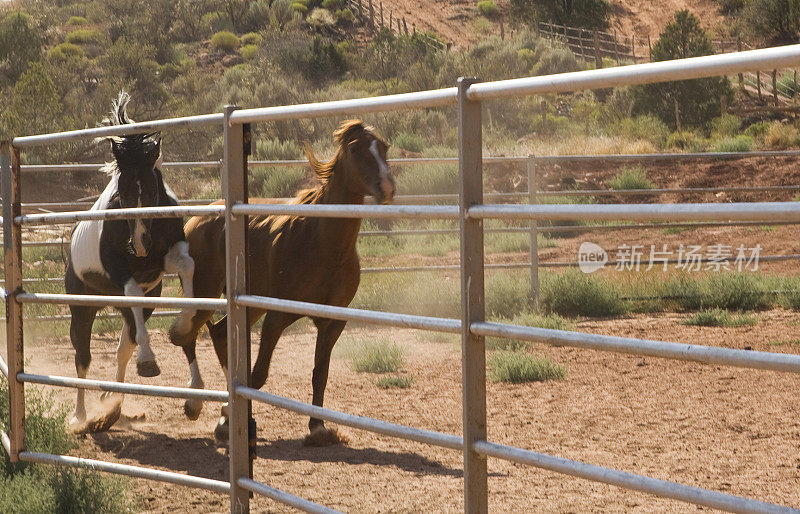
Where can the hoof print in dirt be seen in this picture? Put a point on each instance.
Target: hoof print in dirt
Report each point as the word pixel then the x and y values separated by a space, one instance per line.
pixel 325 437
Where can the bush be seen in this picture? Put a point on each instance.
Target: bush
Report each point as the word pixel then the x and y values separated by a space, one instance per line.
pixel 277 182
pixel 518 367
pixel 394 381
pixel 332 4
pixel 65 52
pixel 251 38
pixel 428 179
pixel 781 136
pixel 42 487
pixel 574 293
pixel 271 149
pixel 215 21
pixel 686 140
pixel 506 295
pixel 225 41
pixel 631 178
pixel 487 7
pixel 735 291
pixel 719 318
pixel 734 144
pixel 345 16
pixel 646 127
pixel 410 142
pixel 299 8
pixel 590 14
pixel 248 52
pixel 378 357
pixel 77 20
pixel 559 60
pixel 321 17
pixel 787 85
pixel 757 130
pixel 772 22
pixel 726 125
pixel 85 36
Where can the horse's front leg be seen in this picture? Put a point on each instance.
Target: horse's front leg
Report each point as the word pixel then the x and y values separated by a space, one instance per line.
pixel 328 332
pixel 124 352
pixel 179 261
pixel 145 360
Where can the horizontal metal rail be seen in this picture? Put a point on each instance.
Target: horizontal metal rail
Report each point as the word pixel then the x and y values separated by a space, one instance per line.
pixel 349 211
pixel 210 304
pixel 125 388
pixel 363 423
pixel 131 471
pixel 111 315
pixel 284 497
pixel 680 69
pixel 757 211
pixel 783 362
pixel 452 326
pixel 626 480
pixel 203 120
pixel 63 218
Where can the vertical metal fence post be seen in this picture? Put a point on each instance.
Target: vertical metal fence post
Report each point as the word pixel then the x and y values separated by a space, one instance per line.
pixel 533 186
pixel 234 181
pixel 473 353
pixel 12 247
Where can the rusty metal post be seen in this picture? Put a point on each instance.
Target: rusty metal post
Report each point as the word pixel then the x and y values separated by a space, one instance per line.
pixel 473 347
pixel 234 180
pixel 12 247
pixel 533 187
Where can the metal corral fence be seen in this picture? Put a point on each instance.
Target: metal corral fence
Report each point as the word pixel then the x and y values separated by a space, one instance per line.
pixel 534 192
pixel 471 213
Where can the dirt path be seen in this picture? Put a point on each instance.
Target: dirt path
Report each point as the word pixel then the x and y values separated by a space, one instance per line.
pixel 722 428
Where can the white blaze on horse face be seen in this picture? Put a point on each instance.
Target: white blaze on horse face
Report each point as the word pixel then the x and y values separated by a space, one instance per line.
pixel 138 233
pixel 85 244
pixel 383 169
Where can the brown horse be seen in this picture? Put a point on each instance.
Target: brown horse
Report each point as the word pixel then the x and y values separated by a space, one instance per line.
pixel 306 259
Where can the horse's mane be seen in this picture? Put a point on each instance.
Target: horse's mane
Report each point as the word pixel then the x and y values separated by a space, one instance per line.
pixel 132 143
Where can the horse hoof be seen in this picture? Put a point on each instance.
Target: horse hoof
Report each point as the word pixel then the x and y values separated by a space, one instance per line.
pixel 221 431
pixel 321 436
pixel 147 369
pixel 192 409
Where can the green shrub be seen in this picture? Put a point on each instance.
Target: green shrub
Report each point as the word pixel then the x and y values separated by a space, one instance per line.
pixel 377 357
pixel 781 136
pixel 345 15
pixel 558 60
pixel 275 182
pixel 686 140
pixel 332 4
pixel 300 8
pixel 518 367
pixel 395 381
pixel 321 17
pixel 215 21
pixel 719 318
pixel 578 294
pixel 726 125
pixel 225 41
pixel 736 291
pixel 631 178
pixel 645 127
pixel 739 143
pixel 271 149
pixel 787 85
pixel 487 7
pixel 428 179
pixel 65 52
pixel 528 319
pixel 77 20
pixel 248 52
pixel 85 36
pixel 506 295
pixel 410 142
pixel 252 38
pixel 758 129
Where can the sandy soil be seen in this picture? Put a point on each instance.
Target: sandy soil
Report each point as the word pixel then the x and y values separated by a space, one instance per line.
pixel 722 428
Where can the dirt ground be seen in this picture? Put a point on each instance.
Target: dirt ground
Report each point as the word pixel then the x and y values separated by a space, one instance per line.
pixel 730 430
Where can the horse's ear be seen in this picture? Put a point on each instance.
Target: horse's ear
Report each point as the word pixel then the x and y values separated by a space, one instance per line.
pixel 348 132
pixel 116 146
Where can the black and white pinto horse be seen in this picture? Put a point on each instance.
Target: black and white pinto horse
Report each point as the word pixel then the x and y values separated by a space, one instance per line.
pixel 127 257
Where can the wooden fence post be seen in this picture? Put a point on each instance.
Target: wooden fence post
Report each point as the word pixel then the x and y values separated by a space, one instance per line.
pixel 533 187
pixel 473 347
pixel 391 14
pixel 237 143
pixel 616 47
pixel 775 86
pixel 758 83
pixel 405 27
pixel 649 49
pixel 371 16
pixel 633 48
pixel 360 9
pixel 580 41
pixel 12 246
pixel 794 88
pixel 382 25
pixel 598 59
pixel 723 103
pixel 502 31
pixel 741 75
pixel 677 115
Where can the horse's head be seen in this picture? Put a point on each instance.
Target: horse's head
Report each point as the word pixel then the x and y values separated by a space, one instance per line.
pixel 363 155
pixel 136 156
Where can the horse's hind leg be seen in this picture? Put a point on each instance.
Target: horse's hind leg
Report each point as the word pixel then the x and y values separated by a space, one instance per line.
pixel 145 360
pixel 80 333
pixel 328 332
